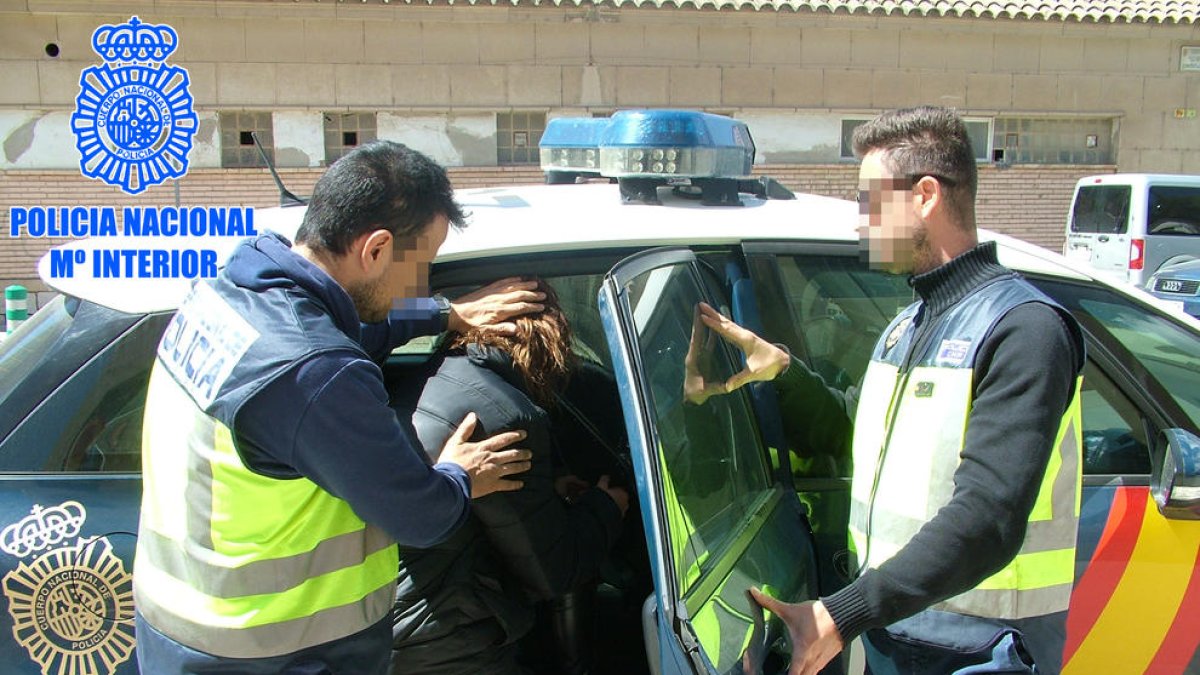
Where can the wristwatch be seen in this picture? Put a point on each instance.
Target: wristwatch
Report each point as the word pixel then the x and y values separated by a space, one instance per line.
pixel 443 307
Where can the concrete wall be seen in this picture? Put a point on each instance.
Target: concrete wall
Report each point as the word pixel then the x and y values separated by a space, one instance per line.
pixel 438 61
pixel 451 139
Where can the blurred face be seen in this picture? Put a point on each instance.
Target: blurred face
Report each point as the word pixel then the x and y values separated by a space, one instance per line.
pixel 889 229
pixel 406 275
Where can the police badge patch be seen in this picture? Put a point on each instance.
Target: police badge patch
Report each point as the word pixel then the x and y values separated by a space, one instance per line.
pixel 133 120
pixel 72 606
pixel 897 332
pixel 953 352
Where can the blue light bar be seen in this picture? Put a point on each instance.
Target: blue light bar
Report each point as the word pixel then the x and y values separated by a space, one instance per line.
pixel 574 132
pixel 698 155
pixel 675 144
pixel 571 145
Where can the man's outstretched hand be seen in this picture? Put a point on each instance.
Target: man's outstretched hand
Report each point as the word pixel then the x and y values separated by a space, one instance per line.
pixel 487 462
pixel 815 638
pixel 764 361
pixel 491 307
pixel 698 386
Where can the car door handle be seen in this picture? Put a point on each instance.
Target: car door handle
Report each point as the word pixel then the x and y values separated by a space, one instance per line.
pixel 1103 238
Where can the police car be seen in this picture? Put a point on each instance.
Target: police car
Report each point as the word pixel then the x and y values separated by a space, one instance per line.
pixel 719 508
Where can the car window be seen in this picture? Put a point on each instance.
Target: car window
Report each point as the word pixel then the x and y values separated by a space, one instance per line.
pixel 1163 347
pixel 21 353
pixel 1162 355
pixel 1173 211
pixel 577 297
pixel 93 420
pixel 1101 209
pixel 712 465
pixel 37 362
pixel 1114 430
pixel 837 309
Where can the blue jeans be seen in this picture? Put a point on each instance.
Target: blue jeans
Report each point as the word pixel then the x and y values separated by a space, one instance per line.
pixel 940 643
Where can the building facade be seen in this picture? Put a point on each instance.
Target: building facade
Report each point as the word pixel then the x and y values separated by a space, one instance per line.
pixel 1051 91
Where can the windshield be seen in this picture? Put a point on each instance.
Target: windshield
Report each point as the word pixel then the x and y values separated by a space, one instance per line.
pixel 22 351
pixel 1101 209
pixel 1174 211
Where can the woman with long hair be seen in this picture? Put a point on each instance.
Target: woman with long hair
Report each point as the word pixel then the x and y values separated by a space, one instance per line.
pixel 462 606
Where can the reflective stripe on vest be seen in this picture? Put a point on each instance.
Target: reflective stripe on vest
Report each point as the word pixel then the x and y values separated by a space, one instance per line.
pixel 240 565
pixel 909 433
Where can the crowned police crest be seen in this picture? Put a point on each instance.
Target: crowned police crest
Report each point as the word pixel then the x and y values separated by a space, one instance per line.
pixel 133 120
pixel 69 596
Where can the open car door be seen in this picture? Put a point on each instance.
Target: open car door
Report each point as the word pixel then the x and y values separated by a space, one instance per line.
pixel 715 521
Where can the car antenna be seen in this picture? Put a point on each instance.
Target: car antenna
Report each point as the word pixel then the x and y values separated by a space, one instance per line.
pixel 286 198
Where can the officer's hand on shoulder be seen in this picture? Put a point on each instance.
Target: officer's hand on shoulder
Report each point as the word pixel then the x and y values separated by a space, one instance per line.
pixel 489 462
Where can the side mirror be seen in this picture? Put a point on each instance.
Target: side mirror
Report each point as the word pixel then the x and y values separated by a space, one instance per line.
pixel 1175 482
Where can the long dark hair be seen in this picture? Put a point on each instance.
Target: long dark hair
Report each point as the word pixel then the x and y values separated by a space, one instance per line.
pixel 540 350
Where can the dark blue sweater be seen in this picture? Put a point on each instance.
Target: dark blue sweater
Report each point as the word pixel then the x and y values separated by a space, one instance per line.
pixel 328 419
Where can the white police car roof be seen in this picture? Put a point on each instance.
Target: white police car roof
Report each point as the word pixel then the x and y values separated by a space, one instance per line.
pixel 529 219
pixel 511 220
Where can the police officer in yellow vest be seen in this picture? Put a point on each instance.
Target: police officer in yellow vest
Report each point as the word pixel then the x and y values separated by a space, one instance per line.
pixel 966 438
pixel 276 479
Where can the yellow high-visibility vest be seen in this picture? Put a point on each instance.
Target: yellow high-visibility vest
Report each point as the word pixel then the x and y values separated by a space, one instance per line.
pixel 231 562
pixel 909 431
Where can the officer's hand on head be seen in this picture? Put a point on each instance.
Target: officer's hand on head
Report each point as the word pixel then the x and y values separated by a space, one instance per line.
pixel 487 462
pixel 619 495
pixel 491 307
pixel 764 361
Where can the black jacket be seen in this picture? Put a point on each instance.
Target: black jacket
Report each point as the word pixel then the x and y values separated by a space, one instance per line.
pixel 457 603
pixel 1025 373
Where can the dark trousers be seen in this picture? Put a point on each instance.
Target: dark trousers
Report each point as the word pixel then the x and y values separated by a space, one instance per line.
pixel 941 643
pixel 365 653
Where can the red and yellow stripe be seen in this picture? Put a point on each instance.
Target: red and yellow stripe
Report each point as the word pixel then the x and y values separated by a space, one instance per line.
pixel 1137 607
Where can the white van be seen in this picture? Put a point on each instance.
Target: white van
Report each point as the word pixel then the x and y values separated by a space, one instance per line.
pixel 1127 225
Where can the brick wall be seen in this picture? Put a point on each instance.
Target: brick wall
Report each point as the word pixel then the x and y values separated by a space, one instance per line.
pixel 452 59
pixel 1029 202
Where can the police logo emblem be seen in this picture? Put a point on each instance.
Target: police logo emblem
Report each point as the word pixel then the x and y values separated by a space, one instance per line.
pixel 43 528
pixel 897 333
pixel 133 120
pixel 72 606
